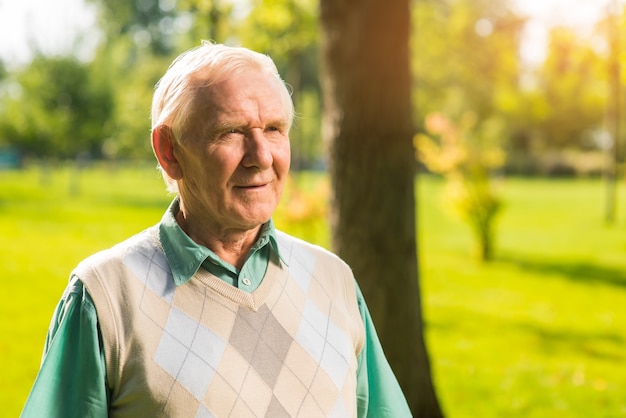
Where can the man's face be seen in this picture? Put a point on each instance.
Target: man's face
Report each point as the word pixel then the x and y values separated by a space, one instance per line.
pixel 235 162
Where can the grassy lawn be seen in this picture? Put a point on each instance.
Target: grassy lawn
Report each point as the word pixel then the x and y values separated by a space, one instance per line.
pixel 47 224
pixel 535 333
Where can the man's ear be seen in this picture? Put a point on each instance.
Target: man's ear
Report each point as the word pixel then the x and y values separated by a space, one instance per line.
pixel 163 144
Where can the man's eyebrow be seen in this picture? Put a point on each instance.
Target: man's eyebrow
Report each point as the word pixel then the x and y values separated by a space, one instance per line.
pixel 218 125
pixel 224 125
pixel 221 124
pixel 279 121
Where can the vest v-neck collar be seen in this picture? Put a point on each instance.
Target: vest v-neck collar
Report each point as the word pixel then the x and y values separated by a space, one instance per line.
pixel 251 300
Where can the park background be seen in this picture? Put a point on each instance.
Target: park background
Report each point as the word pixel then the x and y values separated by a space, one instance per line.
pixel 531 105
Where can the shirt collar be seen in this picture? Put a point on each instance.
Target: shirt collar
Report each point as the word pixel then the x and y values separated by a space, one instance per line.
pixel 185 256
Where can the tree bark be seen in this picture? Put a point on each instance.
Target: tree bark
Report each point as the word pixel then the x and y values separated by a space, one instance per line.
pixel 367 122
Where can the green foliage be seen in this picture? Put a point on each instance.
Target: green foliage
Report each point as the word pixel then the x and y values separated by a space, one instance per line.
pixel 465 57
pixel 141 39
pixel 55 108
pixel 554 119
pixel 211 20
pixel 149 24
pixel 282 28
pixel 3 70
pixel 307 149
pixel 466 61
pixel 466 154
pixel 132 79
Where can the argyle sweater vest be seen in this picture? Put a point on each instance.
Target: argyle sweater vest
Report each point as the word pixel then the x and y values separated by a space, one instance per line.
pixel 208 349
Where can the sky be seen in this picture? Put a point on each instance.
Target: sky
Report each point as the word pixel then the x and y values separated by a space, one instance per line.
pixel 52 25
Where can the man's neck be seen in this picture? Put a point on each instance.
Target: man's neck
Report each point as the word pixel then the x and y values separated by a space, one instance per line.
pixel 231 245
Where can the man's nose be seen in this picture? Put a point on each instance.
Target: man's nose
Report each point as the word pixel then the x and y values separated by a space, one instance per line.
pixel 257 150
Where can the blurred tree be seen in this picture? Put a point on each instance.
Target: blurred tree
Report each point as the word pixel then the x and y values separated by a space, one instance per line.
pixel 549 122
pixel 572 69
pixel 465 57
pixel 3 70
pixel 366 82
pixel 285 29
pixel 147 23
pixel 612 26
pixel 55 108
pixel 140 40
pixel 466 154
pixel 208 20
pixel 131 74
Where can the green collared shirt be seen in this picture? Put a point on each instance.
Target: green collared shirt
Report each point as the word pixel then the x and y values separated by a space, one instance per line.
pixel 62 389
pixel 185 256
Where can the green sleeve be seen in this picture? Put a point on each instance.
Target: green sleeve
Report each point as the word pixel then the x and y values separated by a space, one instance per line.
pixel 72 379
pixel 378 392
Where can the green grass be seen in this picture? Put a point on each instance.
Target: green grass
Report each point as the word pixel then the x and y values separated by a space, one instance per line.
pixel 47 225
pixel 535 333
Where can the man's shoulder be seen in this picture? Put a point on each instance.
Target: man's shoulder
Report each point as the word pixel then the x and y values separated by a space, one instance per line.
pixel 144 242
pixel 291 247
pixel 287 242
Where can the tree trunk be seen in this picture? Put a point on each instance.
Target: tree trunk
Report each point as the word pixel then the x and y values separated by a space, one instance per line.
pixel 367 122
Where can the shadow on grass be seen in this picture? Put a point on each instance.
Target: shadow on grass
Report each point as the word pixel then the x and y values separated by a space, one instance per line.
pixel 578 271
pixel 601 345
pixel 550 338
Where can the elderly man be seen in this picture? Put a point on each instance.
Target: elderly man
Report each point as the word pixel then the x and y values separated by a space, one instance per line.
pixel 212 312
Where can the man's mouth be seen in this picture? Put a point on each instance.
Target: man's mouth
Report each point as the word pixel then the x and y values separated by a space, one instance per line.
pixel 253 186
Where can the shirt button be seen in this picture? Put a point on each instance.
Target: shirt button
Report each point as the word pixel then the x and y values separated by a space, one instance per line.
pixel 246 281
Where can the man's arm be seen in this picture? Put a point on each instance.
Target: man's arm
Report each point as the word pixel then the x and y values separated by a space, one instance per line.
pixel 378 392
pixel 72 379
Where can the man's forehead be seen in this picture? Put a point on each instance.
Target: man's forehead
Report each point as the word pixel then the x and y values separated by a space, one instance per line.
pixel 241 101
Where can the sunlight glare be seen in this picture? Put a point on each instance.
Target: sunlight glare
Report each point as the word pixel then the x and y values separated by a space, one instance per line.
pixel 581 15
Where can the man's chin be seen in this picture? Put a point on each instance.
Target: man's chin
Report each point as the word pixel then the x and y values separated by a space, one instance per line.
pixel 253 219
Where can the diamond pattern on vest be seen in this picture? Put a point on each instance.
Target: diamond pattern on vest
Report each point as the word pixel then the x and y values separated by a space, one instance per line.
pixel 149 265
pixel 301 266
pixel 189 352
pixel 244 363
pixel 272 342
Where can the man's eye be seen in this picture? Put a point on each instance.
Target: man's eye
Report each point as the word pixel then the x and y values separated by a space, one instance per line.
pixel 228 134
pixel 231 132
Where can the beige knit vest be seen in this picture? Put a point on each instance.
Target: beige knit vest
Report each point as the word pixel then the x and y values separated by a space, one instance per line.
pixel 208 349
